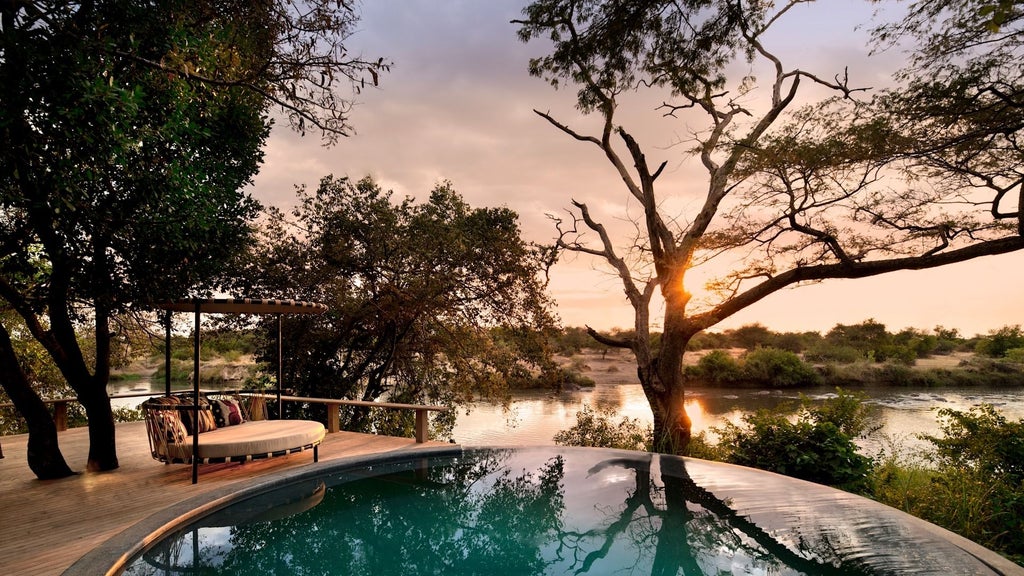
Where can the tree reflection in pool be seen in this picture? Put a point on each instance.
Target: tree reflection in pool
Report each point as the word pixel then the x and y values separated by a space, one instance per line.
pixel 556 511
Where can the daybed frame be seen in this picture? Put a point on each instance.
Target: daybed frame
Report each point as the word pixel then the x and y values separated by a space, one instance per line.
pixel 260 439
pixel 250 440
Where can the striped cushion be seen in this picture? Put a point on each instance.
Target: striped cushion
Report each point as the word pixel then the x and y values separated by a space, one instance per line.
pixel 168 423
pixel 206 421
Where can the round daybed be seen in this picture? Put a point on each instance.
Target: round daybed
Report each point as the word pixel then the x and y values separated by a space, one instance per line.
pixel 176 436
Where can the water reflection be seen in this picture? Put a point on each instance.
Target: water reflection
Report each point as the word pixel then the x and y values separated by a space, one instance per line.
pixel 536 417
pixel 543 511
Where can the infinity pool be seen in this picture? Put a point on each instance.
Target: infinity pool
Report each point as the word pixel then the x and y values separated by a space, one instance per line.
pixel 556 511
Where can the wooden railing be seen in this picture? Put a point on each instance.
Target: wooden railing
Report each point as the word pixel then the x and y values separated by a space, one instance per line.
pixel 422 428
pixel 60 412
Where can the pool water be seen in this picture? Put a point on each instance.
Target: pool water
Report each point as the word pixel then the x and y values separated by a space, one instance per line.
pixel 556 511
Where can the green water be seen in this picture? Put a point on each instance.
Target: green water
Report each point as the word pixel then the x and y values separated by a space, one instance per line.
pixel 555 511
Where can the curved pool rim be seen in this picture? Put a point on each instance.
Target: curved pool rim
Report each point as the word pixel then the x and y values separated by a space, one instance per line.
pixel 113 556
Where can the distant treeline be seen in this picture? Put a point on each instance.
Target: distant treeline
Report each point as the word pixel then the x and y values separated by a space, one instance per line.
pixel 847 355
pixel 869 340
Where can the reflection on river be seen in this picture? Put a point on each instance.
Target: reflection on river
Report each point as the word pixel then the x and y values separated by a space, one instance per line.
pixel 535 417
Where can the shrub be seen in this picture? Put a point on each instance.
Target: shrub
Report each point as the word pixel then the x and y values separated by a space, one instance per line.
pixel 595 428
pixel 127 414
pixel 1000 341
pixel 702 447
pixel 813 445
pixel 793 341
pixel 974 483
pixel 1015 355
pixel 840 353
pixel 708 341
pixel 778 368
pixel 904 354
pixel 981 439
pixel 715 368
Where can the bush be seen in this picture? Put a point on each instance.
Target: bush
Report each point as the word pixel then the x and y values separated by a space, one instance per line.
pixel 716 368
pixel 1015 355
pixel 840 353
pixel 793 341
pixel 815 445
pixel 983 440
pixel 596 429
pixel 1000 341
pixel 973 485
pixel 709 341
pixel 778 369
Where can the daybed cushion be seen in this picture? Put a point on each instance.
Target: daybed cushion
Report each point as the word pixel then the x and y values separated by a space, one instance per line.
pixel 259 438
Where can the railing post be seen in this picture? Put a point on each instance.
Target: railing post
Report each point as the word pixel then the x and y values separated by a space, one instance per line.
pixel 333 418
pixel 422 428
pixel 60 415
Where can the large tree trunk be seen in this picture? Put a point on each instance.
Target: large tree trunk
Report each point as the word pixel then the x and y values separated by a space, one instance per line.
pixel 94 397
pixel 662 381
pixel 44 456
pixel 668 405
pixel 102 444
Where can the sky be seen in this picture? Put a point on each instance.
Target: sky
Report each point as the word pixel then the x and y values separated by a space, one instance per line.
pixel 458 105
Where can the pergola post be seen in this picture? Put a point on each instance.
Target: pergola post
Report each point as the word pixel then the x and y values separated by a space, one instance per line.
pixel 167 353
pixel 280 368
pixel 195 397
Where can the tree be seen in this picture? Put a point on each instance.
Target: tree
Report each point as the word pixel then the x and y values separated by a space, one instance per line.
pixel 794 199
pixel 751 336
pixel 130 131
pixel 428 302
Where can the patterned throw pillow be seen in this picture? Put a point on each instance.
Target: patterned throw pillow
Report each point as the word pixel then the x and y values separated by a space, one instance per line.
pixel 168 422
pixel 172 426
pixel 227 412
pixel 206 421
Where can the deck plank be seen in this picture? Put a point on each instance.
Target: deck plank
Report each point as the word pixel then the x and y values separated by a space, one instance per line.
pixel 46 525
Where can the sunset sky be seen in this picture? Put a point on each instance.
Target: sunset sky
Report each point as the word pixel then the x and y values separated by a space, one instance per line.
pixel 458 105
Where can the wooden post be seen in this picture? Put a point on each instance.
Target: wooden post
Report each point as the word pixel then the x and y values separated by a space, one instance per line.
pixel 422 426
pixel 280 369
pixel 167 354
pixel 333 419
pixel 195 399
pixel 60 414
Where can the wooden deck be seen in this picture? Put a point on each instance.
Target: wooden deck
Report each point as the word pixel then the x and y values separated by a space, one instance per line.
pixel 45 526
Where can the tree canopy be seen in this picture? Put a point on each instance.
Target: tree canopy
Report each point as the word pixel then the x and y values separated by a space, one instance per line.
pixel 797 188
pixel 130 132
pixel 428 301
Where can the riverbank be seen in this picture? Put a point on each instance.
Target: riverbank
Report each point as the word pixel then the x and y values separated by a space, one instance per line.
pixel 957 369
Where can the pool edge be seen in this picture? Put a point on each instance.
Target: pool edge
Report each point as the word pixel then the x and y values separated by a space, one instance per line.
pixel 111 557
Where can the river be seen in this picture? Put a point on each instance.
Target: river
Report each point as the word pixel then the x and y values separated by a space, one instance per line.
pixel 901 413
pixel 534 417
